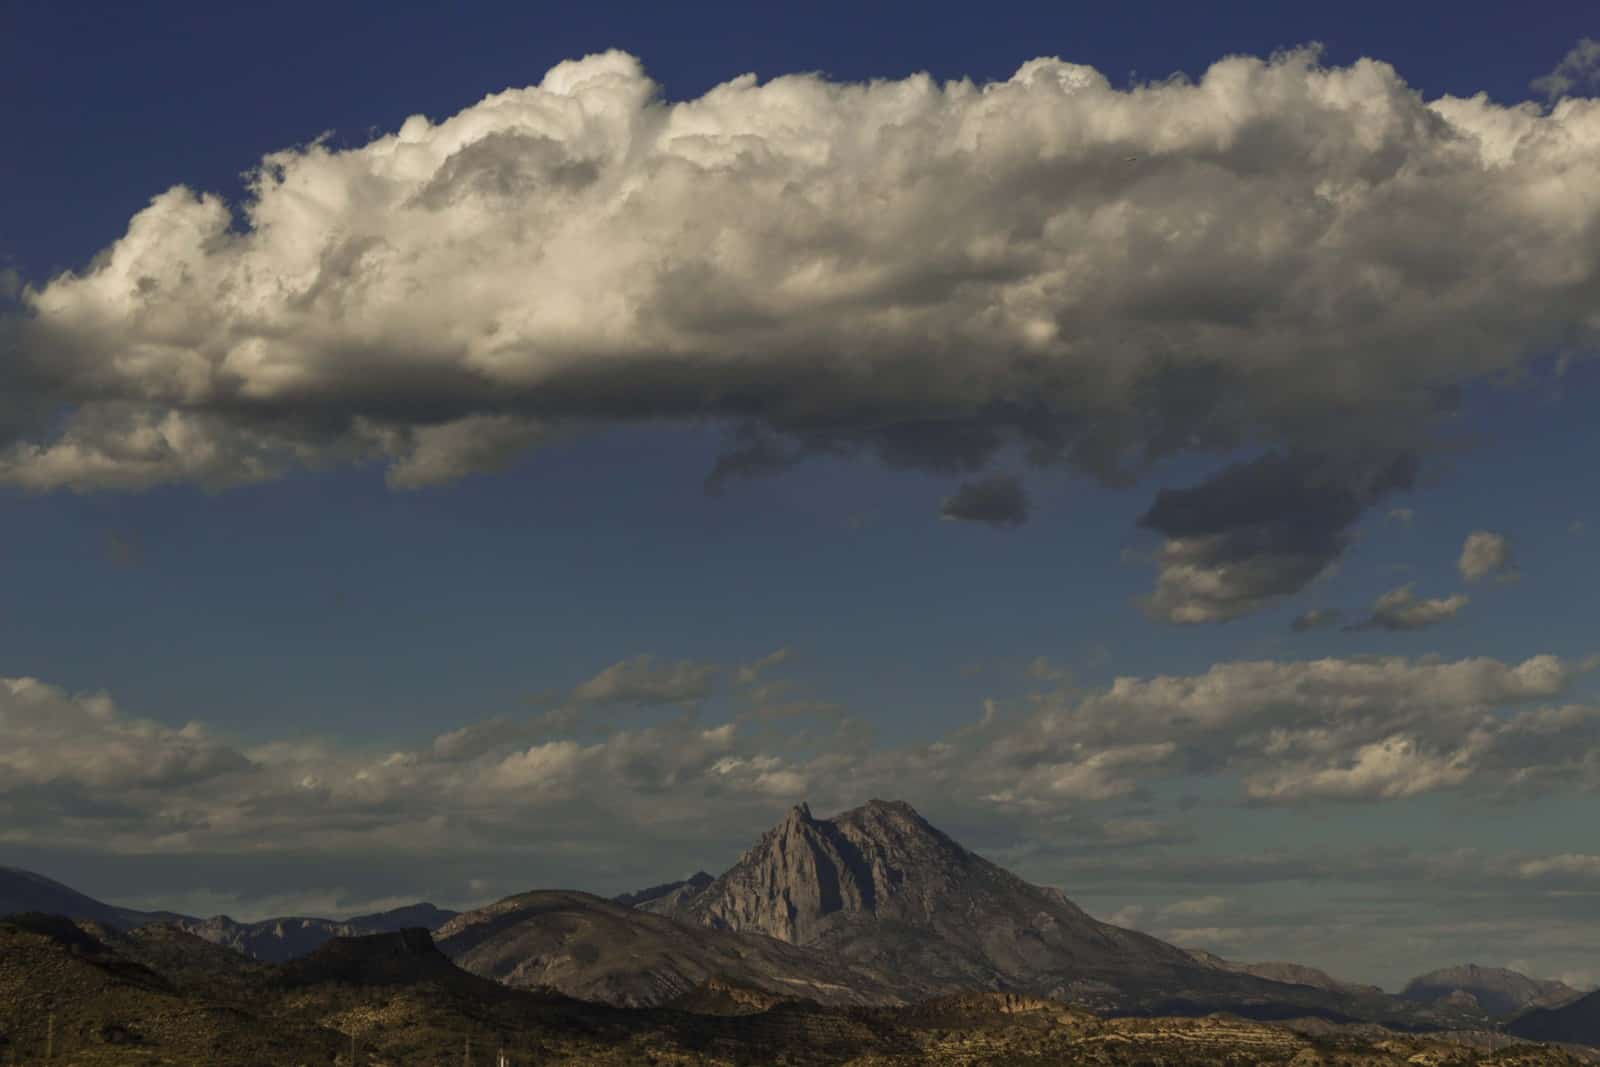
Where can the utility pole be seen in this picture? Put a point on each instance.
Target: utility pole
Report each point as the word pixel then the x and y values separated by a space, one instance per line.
pixel 50 1038
pixel 466 1056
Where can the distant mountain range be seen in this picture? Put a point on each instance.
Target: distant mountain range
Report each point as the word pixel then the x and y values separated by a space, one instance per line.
pixel 1292 973
pixel 272 940
pixel 872 906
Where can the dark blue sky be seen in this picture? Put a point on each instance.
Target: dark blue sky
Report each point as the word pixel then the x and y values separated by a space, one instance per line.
pixel 328 609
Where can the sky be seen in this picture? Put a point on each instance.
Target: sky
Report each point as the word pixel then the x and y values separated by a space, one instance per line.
pixel 452 451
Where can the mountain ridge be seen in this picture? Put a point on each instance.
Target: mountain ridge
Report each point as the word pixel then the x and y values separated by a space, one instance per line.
pixel 273 939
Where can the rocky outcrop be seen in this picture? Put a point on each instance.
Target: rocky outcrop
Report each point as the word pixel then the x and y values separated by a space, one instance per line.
pixel 398 958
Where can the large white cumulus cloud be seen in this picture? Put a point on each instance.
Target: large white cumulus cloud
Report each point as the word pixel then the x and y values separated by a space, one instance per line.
pixel 920 269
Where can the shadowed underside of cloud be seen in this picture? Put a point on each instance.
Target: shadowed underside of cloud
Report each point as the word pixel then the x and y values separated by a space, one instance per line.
pixel 998 500
pixel 1261 530
pixel 927 273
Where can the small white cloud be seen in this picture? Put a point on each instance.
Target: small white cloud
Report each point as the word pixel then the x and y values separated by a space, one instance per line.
pixel 1579 67
pixel 1400 609
pixel 1484 554
pixel 643 680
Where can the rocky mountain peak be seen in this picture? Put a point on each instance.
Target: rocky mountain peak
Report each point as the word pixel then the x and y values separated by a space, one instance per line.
pixel 881 860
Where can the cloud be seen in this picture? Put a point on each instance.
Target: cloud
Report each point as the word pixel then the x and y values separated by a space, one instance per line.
pixel 1389 769
pixel 1399 609
pixel 1043 669
pixel 1579 67
pixel 925 272
pixel 1315 619
pixel 1260 530
pixel 1300 732
pixel 1484 554
pixel 557 798
pixel 643 680
pixel 1198 906
pixel 51 739
pixel 998 500
pixel 750 673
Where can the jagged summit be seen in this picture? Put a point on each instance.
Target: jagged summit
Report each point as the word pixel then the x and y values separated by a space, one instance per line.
pixel 880 886
pixel 880 860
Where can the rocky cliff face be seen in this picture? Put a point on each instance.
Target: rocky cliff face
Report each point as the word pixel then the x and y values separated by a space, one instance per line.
pixel 807 876
pixel 880 887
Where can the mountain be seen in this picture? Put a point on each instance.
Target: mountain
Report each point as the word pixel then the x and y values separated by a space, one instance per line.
pixel 1577 1021
pixel 1495 990
pixel 92 996
pixel 879 888
pixel 595 949
pixel 667 894
pixel 277 940
pixel 424 915
pixel 1290 973
pixel 274 940
pixel 24 891
pixel 401 957
pixel 63 988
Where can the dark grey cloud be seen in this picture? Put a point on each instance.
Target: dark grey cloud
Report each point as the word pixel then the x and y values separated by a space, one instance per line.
pixel 998 500
pixel 1262 529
